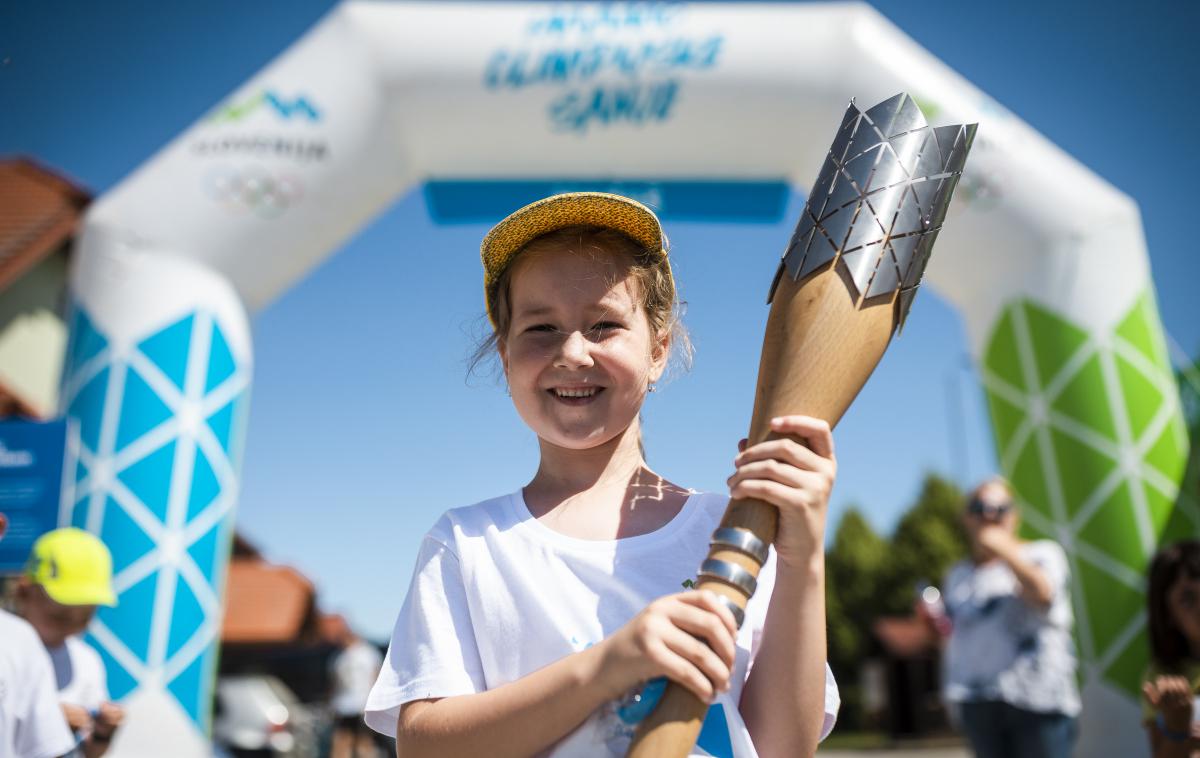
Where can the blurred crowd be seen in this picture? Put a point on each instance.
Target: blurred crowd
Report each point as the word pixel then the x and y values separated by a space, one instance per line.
pixel 54 697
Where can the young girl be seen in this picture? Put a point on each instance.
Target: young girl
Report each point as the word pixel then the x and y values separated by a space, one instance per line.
pixel 533 617
pixel 1173 677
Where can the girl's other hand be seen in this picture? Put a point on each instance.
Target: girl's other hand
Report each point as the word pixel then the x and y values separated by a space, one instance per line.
pixel 687 637
pixel 1172 697
pixel 796 478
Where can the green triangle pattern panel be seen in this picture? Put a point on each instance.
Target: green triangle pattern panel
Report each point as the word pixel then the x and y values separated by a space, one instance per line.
pixel 1142 399
pixel 1001 356
pixel 1112 407
pixel 1110 524
pixel 1006 417
pixel 1141 330
pixel 1054 340
pixel 1028 478
pixel 1081 469
pixel 1085 399
pixel 1127 668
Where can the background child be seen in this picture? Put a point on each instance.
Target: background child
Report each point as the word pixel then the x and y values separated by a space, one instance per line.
pixel 1173 677
pixel 30 720
pixel 70 573
pixel 532 615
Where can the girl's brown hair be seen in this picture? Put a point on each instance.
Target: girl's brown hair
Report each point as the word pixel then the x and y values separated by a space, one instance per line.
pixel 655 287
pixel 1168 646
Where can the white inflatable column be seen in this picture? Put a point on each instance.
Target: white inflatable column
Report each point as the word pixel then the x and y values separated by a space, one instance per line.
pixel 157 383
pixel 225 217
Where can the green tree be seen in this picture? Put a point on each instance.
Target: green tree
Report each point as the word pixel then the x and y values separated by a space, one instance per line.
pixel 852 570
pixel 868 576
pixel 928 540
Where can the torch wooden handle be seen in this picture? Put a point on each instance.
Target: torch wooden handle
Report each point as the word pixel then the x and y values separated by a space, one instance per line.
pixel 818 351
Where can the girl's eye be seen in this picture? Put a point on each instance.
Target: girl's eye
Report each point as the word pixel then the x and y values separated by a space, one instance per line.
pixel 605 326
pixel 541 328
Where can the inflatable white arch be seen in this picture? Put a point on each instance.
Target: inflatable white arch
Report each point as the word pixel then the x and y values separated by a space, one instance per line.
pixel 677 104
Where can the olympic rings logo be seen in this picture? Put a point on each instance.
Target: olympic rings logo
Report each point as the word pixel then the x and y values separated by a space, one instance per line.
pixel 253 190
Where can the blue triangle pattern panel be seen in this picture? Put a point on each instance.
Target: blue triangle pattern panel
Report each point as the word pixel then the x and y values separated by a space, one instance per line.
pixel 187 616
pixel 87 408
pixel 120 681
pixel 205 486
pixel 169 347
pixel 221 363
pixel 124 537
pixel 86 340
pixel 150 479
pixel 141 409
pixel 221 423
pixel 132 618
pixel 206 550
pixel 79 513
pixel 193 687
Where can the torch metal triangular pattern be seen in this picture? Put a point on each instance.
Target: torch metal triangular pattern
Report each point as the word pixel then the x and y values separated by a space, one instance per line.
pixel 879 201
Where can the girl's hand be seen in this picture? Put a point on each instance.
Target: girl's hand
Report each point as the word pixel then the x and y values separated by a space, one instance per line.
pixel 1171 696
pixel 669 639
pixel 796 478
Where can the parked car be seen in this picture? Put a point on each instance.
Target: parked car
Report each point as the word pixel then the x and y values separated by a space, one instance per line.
pixel 257 715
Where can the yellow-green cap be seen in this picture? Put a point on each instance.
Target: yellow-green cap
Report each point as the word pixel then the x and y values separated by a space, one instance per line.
pixel 73 566
pixel 552 213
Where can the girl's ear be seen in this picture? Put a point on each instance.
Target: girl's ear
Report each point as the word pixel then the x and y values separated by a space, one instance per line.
pixel 502 351
pixel 659 353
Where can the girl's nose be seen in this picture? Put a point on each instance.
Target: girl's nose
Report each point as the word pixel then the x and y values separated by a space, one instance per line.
pixel 574 352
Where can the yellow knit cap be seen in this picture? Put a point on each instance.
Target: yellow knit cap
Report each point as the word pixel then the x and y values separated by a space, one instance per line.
pixel 549 214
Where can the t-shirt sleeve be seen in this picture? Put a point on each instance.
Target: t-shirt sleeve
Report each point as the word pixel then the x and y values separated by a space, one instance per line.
pixel 432 653
pixel 756 617
pixel 41 731
pixel 97 677
pixel 1049 556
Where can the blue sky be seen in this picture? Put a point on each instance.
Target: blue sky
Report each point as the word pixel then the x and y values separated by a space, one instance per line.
pixel 364 426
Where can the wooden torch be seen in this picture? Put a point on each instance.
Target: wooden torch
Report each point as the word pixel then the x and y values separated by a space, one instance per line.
pixel 844 287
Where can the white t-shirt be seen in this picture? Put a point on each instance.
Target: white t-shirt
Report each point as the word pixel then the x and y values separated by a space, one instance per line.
pixel 497 595
pixel 79 674
pixel 354 670
pixel 1004 649
pixel 31 723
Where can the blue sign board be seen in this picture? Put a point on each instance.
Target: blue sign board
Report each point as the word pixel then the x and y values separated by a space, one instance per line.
pixel 31 473
pixel 717 201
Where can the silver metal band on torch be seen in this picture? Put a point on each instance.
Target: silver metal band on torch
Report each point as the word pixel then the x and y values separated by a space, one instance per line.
pixel 741 540
pixel 729 573
pixel 739 616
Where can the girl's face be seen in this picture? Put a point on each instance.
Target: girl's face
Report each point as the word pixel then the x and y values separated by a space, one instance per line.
pixel 578 354
pixel 1183 607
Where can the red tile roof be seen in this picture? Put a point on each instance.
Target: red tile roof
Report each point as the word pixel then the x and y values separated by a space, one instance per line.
pixel 265 603
pixel 39 211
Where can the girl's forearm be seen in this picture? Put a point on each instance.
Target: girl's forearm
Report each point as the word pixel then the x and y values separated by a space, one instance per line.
pixel 516 719
pixel 783 702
